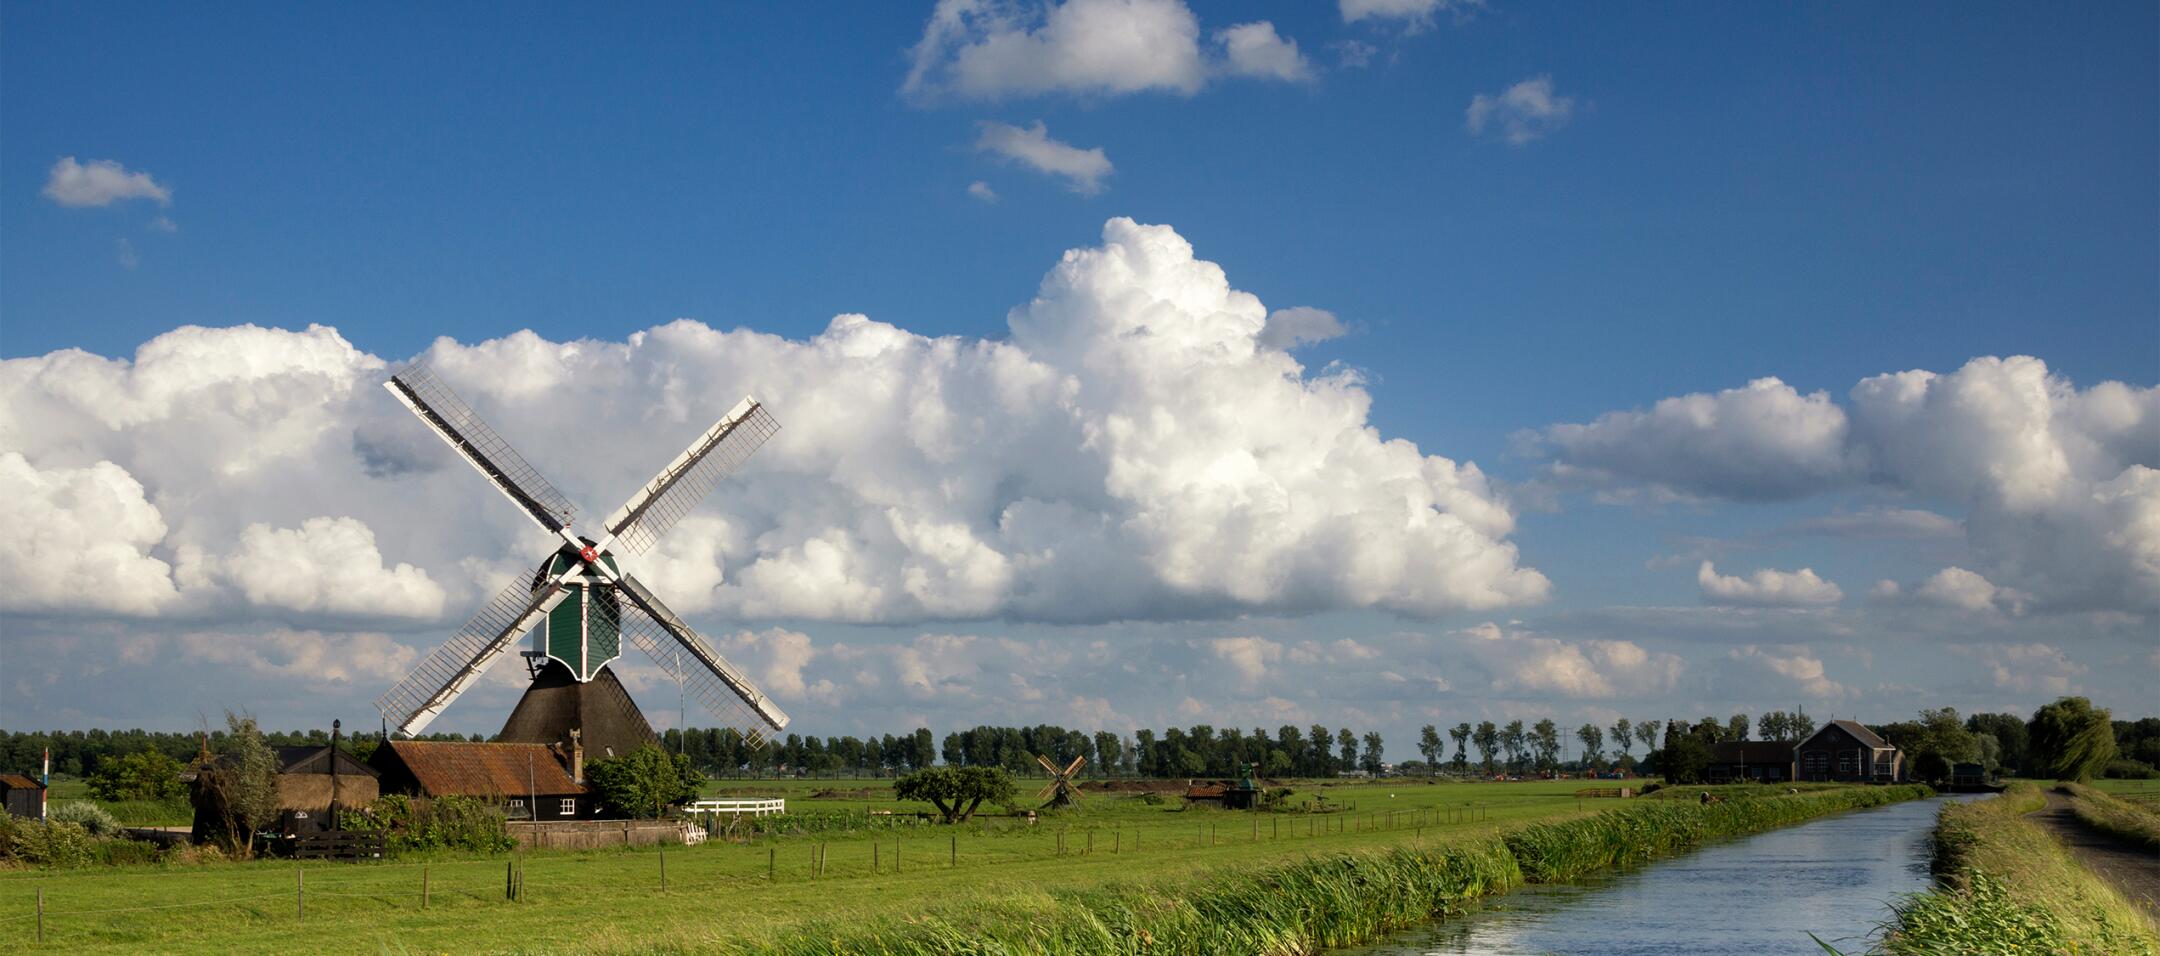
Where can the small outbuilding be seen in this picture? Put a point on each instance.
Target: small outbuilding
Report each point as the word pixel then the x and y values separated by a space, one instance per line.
pixel 23 796
pixel 529 781
pixel 1761 761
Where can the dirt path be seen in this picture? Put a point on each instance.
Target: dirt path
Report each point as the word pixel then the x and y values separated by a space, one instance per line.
pixel 2133 871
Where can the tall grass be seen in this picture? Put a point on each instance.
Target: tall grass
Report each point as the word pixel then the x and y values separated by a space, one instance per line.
pixel 1558 852
pixel 1318 903
pixel 2129 822
pixel 2009 887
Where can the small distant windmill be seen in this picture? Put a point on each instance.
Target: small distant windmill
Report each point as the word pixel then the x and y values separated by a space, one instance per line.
pixel 1061 792
pixel 580 605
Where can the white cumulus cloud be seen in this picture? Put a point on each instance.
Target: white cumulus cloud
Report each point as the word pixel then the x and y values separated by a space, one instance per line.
pixel 1082 169
pixel 1527 111
pixel 100 182
pixel 1767 587
pixel 1256 50
pixel 988 50
pixel 82 540
pixel 330 565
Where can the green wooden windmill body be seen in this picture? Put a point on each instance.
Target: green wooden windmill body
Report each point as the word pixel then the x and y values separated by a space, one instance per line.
pixel 584 632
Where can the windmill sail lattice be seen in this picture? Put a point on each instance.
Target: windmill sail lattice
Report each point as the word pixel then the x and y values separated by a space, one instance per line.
pixel 581 606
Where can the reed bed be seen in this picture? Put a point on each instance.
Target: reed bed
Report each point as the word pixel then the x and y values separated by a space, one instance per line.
pixel 1324 901
pixel 2008 887
pixel 2124 820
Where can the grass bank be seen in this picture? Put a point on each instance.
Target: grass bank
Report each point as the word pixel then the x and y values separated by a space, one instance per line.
pixel 2009 887
pixel 1118 874
pixel 2133 823
pixel 1324 902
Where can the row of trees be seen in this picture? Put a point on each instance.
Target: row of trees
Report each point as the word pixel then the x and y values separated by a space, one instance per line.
pixel 1999 741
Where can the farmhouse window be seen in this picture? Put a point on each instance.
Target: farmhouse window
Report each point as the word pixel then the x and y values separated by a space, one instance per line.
pixel 569 806
pixel 1846 763
pixel 1817 762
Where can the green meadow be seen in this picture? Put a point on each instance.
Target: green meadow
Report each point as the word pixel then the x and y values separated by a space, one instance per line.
pixel 839 872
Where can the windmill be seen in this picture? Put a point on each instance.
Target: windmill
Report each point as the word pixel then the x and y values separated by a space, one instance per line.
pixel 580 605
pixel 1061 792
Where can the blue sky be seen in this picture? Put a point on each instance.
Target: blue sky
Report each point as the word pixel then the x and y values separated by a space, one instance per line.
pixel 1722 193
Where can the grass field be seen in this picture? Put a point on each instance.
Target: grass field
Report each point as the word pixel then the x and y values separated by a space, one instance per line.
pixel 720 894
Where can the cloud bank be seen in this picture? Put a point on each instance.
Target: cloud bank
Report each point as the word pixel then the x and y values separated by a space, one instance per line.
pixel 1134 451
pixel 2061 485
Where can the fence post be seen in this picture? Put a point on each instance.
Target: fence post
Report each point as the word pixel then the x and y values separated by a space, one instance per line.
pixel 772 857
pixel 1091 843
pixel 955 850
pixel 299 890
pixel 509 880
pixel 874 856
pixel 423 886
pixel 663 864
pixel 41 914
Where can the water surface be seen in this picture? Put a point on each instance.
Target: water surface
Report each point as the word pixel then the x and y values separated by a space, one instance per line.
pixel 1834 877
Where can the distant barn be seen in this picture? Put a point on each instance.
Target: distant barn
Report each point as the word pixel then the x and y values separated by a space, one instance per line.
pixel 1846 751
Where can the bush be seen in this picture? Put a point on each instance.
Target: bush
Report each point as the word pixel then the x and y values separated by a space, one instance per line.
pixel 1151 798
pixel 2130 770
pixel 45 845
pixel 85 814
pixel 444 823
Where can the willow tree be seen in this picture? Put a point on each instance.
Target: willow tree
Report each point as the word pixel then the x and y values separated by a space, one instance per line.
pixel 2071 739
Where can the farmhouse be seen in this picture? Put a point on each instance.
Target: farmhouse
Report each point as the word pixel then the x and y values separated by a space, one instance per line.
pixel 529 781
pixel 1763 761
pixel 23 796
pixel 1845 751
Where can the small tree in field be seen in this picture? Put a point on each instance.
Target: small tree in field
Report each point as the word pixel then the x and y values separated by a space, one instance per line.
pixel 956 791
pixel 236 793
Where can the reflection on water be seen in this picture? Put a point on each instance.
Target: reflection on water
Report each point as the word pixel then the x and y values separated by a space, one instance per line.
pixel 1763 894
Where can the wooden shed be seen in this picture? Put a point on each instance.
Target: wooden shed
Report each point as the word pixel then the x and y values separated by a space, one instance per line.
pixel 23 796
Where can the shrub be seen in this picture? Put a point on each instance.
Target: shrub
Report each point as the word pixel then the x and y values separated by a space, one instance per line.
pixel 444 823
pixel 1151 798
pixel 85 814
pixel 46 845
pixel 2130 770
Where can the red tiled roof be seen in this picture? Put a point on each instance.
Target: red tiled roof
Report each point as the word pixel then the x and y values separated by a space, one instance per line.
pixel 16 781
pixel 446 767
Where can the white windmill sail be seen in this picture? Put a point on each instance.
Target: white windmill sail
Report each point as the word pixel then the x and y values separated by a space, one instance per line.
pixel 412 703
pixel 670 495
pixel 720 687
pixel 456 423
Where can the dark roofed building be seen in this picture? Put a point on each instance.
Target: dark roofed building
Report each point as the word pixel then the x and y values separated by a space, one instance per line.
pixel 520 777
pixel 1844 750
pixel 22 795
pixel 1763 761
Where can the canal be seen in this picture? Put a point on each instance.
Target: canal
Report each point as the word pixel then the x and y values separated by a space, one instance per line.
pixel 1834 877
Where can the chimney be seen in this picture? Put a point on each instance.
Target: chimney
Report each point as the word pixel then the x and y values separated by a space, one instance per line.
pixel 577 757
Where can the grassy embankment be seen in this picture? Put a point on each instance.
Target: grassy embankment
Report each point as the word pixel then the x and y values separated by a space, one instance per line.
pixel 1158 879
pixel 2126 820
pixel 2009 887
